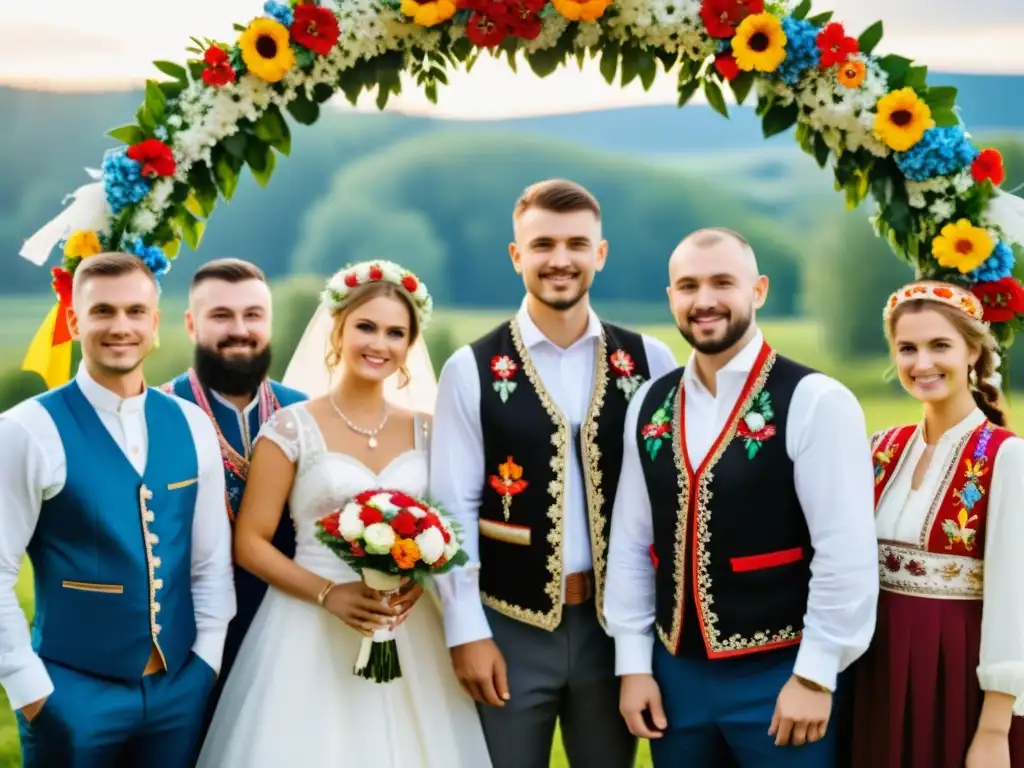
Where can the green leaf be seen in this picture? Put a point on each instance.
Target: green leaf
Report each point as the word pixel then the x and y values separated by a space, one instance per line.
pixel 322 93
pixel 741 85
pixel 713 93
pixel 273 129
pixel 156 102
pixel 305 111
pixel 801 10
pixel 129 134
pixel 916 78
pixel 668 59
pixel 647 66
pixel 145 120
pixel 821 150
pixel 945 118
pixel 225 172
pixel 940 97
pixel 821 19
pixel 545 61
pixel 630 65
pixel 267 164
pixel 176 71
pixel 196 69
pixel 171 248
pixel 686 90
pixel 609 62
pixel 304 57
pixel 896 67
pixel 192 230
pixel 235 144
pixel 171 90
pixel 204 189
pixel 870 37
pixel 256 154
pixel 778 119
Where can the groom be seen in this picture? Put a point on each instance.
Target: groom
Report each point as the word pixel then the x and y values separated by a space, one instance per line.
pixel 229 322
pixel 116 493
pixel 529 419
pixel 742 575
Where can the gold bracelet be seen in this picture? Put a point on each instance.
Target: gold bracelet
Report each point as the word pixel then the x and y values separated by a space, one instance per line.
pixel 324 592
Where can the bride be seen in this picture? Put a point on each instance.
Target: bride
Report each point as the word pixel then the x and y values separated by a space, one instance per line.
pixel 292 698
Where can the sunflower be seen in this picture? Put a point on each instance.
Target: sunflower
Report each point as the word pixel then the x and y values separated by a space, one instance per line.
pixel 962 246
pixel 427 13
pixel 759 43
pixel 82 244
pixel 902 119
pixel 266 49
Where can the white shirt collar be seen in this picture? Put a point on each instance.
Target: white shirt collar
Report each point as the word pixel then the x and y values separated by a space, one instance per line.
pixel 970 422
pixel 740 365
pixel 532 335
pixel 102 399
pixel 228 404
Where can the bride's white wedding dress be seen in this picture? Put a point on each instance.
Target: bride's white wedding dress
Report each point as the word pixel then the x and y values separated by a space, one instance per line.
pixel 291 700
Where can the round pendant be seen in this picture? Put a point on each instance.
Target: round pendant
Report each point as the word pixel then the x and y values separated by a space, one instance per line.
pixel 373 443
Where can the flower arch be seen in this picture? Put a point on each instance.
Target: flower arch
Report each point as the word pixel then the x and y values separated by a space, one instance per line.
pixel 874 120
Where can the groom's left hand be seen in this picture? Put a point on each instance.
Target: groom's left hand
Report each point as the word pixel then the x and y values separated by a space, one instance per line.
pixel 801 713
pixel 405 600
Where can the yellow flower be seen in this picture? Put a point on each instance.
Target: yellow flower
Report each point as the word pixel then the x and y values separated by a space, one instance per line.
pixel 962 246
pixel 82 244
pixel 266 50
pixel 581 10
pixel 902 119
pixel 759 43
pixel 427 13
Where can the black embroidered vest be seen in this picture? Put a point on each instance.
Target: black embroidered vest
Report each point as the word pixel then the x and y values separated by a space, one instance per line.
pixel 731 547
pixel 526 457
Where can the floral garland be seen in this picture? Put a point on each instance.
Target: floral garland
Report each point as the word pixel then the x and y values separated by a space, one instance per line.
pixel 340 286
pixel 887 134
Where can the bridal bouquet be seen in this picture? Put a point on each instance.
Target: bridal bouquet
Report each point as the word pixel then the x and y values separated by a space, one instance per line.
pixel 389 537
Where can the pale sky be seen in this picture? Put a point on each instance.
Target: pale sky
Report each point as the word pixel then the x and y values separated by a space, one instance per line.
pixel 91 44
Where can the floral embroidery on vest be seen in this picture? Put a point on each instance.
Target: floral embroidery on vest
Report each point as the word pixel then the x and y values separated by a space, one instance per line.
pixel 656 432
pixel 504 368
pixel 959 531
pixel 754 428
pixel 508 482
pixel 624 366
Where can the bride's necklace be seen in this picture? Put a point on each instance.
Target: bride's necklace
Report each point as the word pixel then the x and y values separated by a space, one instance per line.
pixel 370 433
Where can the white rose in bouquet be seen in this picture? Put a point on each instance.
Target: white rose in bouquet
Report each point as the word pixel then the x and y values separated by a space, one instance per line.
pixel 451 548
pixel 379 538
pixel 431 545
pixel 350 523
pixel 382 501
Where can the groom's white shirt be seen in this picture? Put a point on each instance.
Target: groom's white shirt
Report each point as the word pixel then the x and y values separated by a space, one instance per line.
pixel 34 469
pixel 457 470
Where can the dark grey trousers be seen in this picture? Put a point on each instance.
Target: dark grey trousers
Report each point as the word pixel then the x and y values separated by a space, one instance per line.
pixel 568 676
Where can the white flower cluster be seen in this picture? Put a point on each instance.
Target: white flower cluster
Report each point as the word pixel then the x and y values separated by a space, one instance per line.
pixel 379 538
pixel 939 194
pixel 337 291
pixel 673 25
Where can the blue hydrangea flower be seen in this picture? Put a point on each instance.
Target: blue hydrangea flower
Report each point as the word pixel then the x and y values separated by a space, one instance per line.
pixel 153 257
pixel 721 45
pixel 942 151
pixel 279 12
pixel 995 267
pixel 802 52
pixel 123 181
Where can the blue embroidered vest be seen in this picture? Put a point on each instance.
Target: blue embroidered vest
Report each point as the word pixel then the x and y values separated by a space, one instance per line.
pixel 112 550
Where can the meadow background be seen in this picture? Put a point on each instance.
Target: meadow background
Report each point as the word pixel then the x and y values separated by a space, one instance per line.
pixel 436 195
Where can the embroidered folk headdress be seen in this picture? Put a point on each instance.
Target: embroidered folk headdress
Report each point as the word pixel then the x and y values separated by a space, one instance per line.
pixel 934 290
pixel 345 281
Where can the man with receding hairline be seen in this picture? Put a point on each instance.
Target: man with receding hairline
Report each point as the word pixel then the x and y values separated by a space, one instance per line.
pixel 742 576
pixel 529 421
pixel 116 493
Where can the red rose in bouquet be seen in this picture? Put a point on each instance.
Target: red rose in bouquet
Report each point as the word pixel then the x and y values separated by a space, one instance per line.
pixel 388 537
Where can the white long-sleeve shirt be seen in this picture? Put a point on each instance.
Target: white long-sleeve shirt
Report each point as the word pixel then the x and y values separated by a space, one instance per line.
pixel 457 467
pixel 902 516
pixel 827 441
pixel 34 469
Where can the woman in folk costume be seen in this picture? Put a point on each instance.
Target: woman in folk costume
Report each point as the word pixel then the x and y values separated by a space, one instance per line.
pixel 944 677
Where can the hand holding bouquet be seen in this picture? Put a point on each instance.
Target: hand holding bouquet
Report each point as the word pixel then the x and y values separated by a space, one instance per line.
pixel 389 537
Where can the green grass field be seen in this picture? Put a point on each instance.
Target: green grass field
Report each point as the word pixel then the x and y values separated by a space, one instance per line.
pixel 883 405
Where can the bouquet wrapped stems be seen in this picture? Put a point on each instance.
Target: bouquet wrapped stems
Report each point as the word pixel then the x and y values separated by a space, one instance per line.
pixel 378 654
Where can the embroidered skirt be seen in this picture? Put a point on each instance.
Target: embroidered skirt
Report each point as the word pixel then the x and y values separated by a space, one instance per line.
pixel 916 695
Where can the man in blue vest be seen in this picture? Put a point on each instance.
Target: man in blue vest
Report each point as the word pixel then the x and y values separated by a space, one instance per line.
pixel 229 321
pixel 115 492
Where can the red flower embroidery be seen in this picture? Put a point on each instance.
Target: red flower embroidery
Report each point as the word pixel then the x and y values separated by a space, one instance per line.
pixel 893 562
pixel 654 431
pixel 623 365
pixel 914 568
pixel 508 482
pixel 504 368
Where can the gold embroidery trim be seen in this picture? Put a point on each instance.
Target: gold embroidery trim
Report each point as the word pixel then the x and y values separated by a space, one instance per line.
pixel 910 571
pixel 182 484
pixel 550 619
pixel 509 533
pixel 152 563
pixel 682 522
pixel 592 476
pixel 899 463
pixel 84 586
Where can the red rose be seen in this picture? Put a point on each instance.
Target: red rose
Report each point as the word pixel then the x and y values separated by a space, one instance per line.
pixel 1001 299
pixel 154 156
pixel 376 273
pixel 404 524
pixel 721 17
pixel 371 515
pixel 835 46
pixel 726 65
pixel 218 70
pixel 989 165
pixel 330 524
pixel 356 550
pixel 410 284
pixel 400 499
pixel 315 28
pixel 484 31
pixel 430 520
pixel 352 280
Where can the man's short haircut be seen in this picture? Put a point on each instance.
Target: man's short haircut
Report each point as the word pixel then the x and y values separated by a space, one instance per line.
pixel 557 196
pixel 110 264
pixel 228 270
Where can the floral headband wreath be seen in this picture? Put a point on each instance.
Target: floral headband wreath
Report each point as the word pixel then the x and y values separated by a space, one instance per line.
pixel 951 295
pixel 346 281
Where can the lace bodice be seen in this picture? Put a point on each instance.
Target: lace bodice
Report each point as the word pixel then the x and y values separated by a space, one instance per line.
pixel 326 480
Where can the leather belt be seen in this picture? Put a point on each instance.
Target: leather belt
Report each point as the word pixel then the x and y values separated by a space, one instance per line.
pixel 579 587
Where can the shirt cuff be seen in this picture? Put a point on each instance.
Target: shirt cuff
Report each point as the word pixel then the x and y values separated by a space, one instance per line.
pixel 209 646
pixel 634 654
pixel 29 684
pixel 464 617
pixel 1004 677
pixel 817 663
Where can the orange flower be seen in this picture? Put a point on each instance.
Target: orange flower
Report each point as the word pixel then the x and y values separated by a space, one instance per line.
pixel 851 73
pixel 406 553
